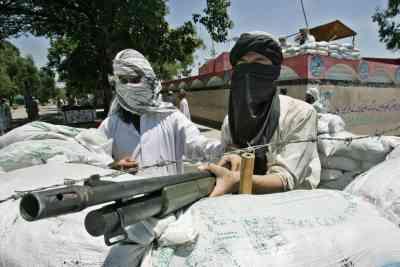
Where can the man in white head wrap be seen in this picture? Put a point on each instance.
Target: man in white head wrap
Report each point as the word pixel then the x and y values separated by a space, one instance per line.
pixel 146 130
pixel 313 97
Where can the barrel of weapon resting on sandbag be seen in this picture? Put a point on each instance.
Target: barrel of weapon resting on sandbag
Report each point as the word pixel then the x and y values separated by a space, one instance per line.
pixel 69 199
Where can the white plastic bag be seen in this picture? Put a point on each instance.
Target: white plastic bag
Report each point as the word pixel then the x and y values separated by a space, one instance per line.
pixel 298 228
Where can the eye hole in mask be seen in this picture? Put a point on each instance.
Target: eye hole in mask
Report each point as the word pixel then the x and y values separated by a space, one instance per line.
pixel 130 79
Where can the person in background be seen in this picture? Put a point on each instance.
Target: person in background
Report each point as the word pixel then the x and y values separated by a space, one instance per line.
pixel 258 115
pixel 304 37
pixel 183 104
pixel 312 97
pixel 35 109
pixel 5 116
pixel 283 91
pixel 145 130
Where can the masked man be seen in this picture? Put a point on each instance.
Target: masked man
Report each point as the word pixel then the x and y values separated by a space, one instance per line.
pixel 145 130
pixel 312 98
pixel 259 115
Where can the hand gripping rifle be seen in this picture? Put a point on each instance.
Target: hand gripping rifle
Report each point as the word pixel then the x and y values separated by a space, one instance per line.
pixel 133 200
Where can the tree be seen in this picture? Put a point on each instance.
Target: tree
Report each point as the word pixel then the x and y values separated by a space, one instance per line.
pixel 389 26
pixel 47 87
pixel 86 34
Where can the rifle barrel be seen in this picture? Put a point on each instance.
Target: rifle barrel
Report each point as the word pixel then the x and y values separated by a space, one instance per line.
pixel 55 202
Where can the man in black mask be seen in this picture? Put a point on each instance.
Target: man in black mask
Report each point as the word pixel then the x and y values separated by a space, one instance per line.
pixel 259 115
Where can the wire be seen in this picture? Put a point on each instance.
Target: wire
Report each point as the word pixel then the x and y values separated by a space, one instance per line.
pixel 304 13
pixel 250 149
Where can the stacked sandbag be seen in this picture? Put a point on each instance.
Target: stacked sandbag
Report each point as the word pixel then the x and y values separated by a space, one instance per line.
pixel 297 228
pixel 39 143
pixel 38 130
pixel 60 241
pixel 329 123
pixel 35 152
pixel 381 186
pixel 350 157
pixel 342 160
pixel 335 50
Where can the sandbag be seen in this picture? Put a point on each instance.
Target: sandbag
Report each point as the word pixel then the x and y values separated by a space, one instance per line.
pixel 38 130
pixel 297 228
pixel 339 183
pixel 63 241
pixel 34 152
pixel 330 174
pixel 381 186
pixel 394 154
pixel 60 241
pixel 340 163
pixel 330 123
pixel 372 149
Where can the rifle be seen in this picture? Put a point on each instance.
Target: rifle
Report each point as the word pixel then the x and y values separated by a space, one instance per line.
pixel 133 200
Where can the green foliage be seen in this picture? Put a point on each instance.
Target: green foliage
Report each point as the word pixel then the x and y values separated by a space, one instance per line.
pixel 389 26
pixel 86 34
pixel 216 19
pixel 19 75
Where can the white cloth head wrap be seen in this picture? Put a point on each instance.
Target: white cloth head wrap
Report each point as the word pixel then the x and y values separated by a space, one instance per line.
pixel 141 97
pixel 314 92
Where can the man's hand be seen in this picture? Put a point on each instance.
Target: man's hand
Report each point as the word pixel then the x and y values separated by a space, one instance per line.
pixel 231 161
pixel 126 164
pixel 227 181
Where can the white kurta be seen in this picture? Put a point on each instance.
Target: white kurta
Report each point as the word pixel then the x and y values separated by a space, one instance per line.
pixel 296 164
pixel 163 136
pixel 184 107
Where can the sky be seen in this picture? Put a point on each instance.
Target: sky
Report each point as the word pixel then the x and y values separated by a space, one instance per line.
pixel 279 18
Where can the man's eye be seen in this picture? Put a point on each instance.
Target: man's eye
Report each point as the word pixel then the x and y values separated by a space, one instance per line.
pixel 125 79
pixel 135 79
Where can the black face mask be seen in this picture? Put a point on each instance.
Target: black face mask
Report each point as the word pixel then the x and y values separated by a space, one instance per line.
pixel 254 108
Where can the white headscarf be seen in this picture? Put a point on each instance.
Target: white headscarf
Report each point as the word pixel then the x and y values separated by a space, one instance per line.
pixel 314 92
pixel 141 97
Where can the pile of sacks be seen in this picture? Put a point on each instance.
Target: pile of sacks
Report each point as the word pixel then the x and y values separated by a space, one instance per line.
pixel 39 142
pixel 336 50
pixel 297 228
pixel 342 161
pixel 381 186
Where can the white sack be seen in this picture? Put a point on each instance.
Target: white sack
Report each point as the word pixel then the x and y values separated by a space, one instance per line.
pixel 61 241
pixel 340 163
pixel 35 152
pixel 340 182
pixel 330 123
pixel 372 149
pixel 38 130
pixel 330 174
pixel 297 228
pixel 394 154
pixel 381 186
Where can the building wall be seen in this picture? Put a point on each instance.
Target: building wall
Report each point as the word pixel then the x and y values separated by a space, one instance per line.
pixel 365 109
